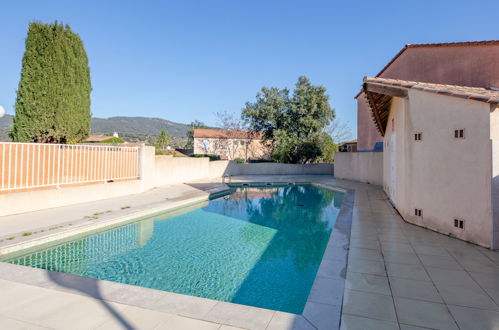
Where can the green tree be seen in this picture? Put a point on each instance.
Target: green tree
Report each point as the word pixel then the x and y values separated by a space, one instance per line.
pixel 190 133
pixel 163 140
pixel 53 98
pixel 329 148
pixel 113 140
pixel 294 123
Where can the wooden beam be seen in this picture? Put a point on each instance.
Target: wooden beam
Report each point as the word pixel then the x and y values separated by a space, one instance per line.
pixel 375 112
pixel 386 90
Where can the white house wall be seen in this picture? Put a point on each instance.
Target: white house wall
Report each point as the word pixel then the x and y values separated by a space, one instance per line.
pixel 446 178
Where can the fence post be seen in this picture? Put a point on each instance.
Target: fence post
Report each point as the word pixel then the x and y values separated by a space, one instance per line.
pixel 140 168
pixel 105 163
pixel 58 166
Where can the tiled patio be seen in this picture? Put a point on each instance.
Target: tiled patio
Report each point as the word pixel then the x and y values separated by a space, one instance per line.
pixel 399 276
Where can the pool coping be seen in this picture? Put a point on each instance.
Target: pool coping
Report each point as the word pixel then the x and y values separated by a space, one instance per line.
pixel 322 309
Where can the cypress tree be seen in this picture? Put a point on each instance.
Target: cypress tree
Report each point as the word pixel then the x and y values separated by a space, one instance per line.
pixel 53 98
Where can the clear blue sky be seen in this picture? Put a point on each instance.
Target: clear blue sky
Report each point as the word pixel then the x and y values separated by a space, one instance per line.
pixel 185 60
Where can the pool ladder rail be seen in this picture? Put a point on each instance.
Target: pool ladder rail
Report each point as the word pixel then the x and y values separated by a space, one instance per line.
pixel 227 176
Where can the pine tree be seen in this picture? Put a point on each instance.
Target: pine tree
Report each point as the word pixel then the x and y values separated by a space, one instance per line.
pixel 53 98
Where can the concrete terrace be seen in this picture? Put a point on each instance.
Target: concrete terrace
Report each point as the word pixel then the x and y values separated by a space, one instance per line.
pixel 395 275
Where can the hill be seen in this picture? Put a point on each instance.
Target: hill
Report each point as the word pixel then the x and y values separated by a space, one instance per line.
pixel 141 126
pixel 138 125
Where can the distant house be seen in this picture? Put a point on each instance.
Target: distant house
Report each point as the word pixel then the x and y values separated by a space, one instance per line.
pixel 97 138
pixel 231 144
pixel 473 64
pixel 349 146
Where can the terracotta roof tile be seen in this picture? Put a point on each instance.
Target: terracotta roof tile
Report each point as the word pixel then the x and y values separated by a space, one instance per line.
pixel 456 44
pixel 97 138
pixel 471 93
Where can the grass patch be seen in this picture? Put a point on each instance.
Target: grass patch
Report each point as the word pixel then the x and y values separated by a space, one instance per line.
pixel 125 207
pixel 10 238
pixel 27 234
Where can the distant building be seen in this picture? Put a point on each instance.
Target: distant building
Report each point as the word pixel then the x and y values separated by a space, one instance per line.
pixel 473 64
pixel 97 138
pixel 231 144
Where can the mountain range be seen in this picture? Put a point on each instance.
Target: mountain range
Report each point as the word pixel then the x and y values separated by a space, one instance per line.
pixel 126 125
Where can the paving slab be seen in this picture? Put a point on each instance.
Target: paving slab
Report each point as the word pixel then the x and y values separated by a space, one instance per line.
pixel 424 314
pixel 370 305
pixel 475 319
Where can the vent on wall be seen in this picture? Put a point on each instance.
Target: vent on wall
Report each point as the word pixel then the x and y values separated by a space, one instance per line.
pixel 418 212
pixel 458 223
pixel 418 136
pixel 459 133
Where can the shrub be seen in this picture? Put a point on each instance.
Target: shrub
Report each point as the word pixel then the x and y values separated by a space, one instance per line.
pixel 211 156
pixel 53 97
pixel 239 160
pixel 113 140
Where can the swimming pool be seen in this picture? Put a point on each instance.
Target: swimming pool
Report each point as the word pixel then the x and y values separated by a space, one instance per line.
pixel 259 245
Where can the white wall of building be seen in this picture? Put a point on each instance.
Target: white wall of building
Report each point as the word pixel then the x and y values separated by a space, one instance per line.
pixel 446 178
pixel 495 192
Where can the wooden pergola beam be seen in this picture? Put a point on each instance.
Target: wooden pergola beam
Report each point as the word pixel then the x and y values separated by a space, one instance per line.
pixel 375 110
pixel 386 90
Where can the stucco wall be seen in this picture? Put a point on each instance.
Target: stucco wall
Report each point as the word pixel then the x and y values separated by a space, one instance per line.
pixel 365 167
pixel 446 178
pixel 170 170
pixel 28 201
pixel 495 193
pixel 281 169
pixel 219 168
pixel 476 66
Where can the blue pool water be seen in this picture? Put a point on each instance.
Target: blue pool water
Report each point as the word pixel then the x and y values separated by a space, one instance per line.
pixel 258 246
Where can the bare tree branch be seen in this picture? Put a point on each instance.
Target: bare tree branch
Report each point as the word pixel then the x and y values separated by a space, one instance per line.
pixel 339 131
pixel 233 126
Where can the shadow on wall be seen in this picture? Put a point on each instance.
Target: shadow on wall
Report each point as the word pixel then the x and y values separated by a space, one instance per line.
pixel 89 287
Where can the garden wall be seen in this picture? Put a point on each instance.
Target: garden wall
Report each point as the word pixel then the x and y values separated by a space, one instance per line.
pixel 365 167
pixel 155 171
pixel 281 169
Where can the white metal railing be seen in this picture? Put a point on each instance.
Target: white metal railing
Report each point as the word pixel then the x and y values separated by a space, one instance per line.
pixel 33 165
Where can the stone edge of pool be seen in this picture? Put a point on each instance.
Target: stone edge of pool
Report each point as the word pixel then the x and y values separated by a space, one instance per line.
pixel 322 309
